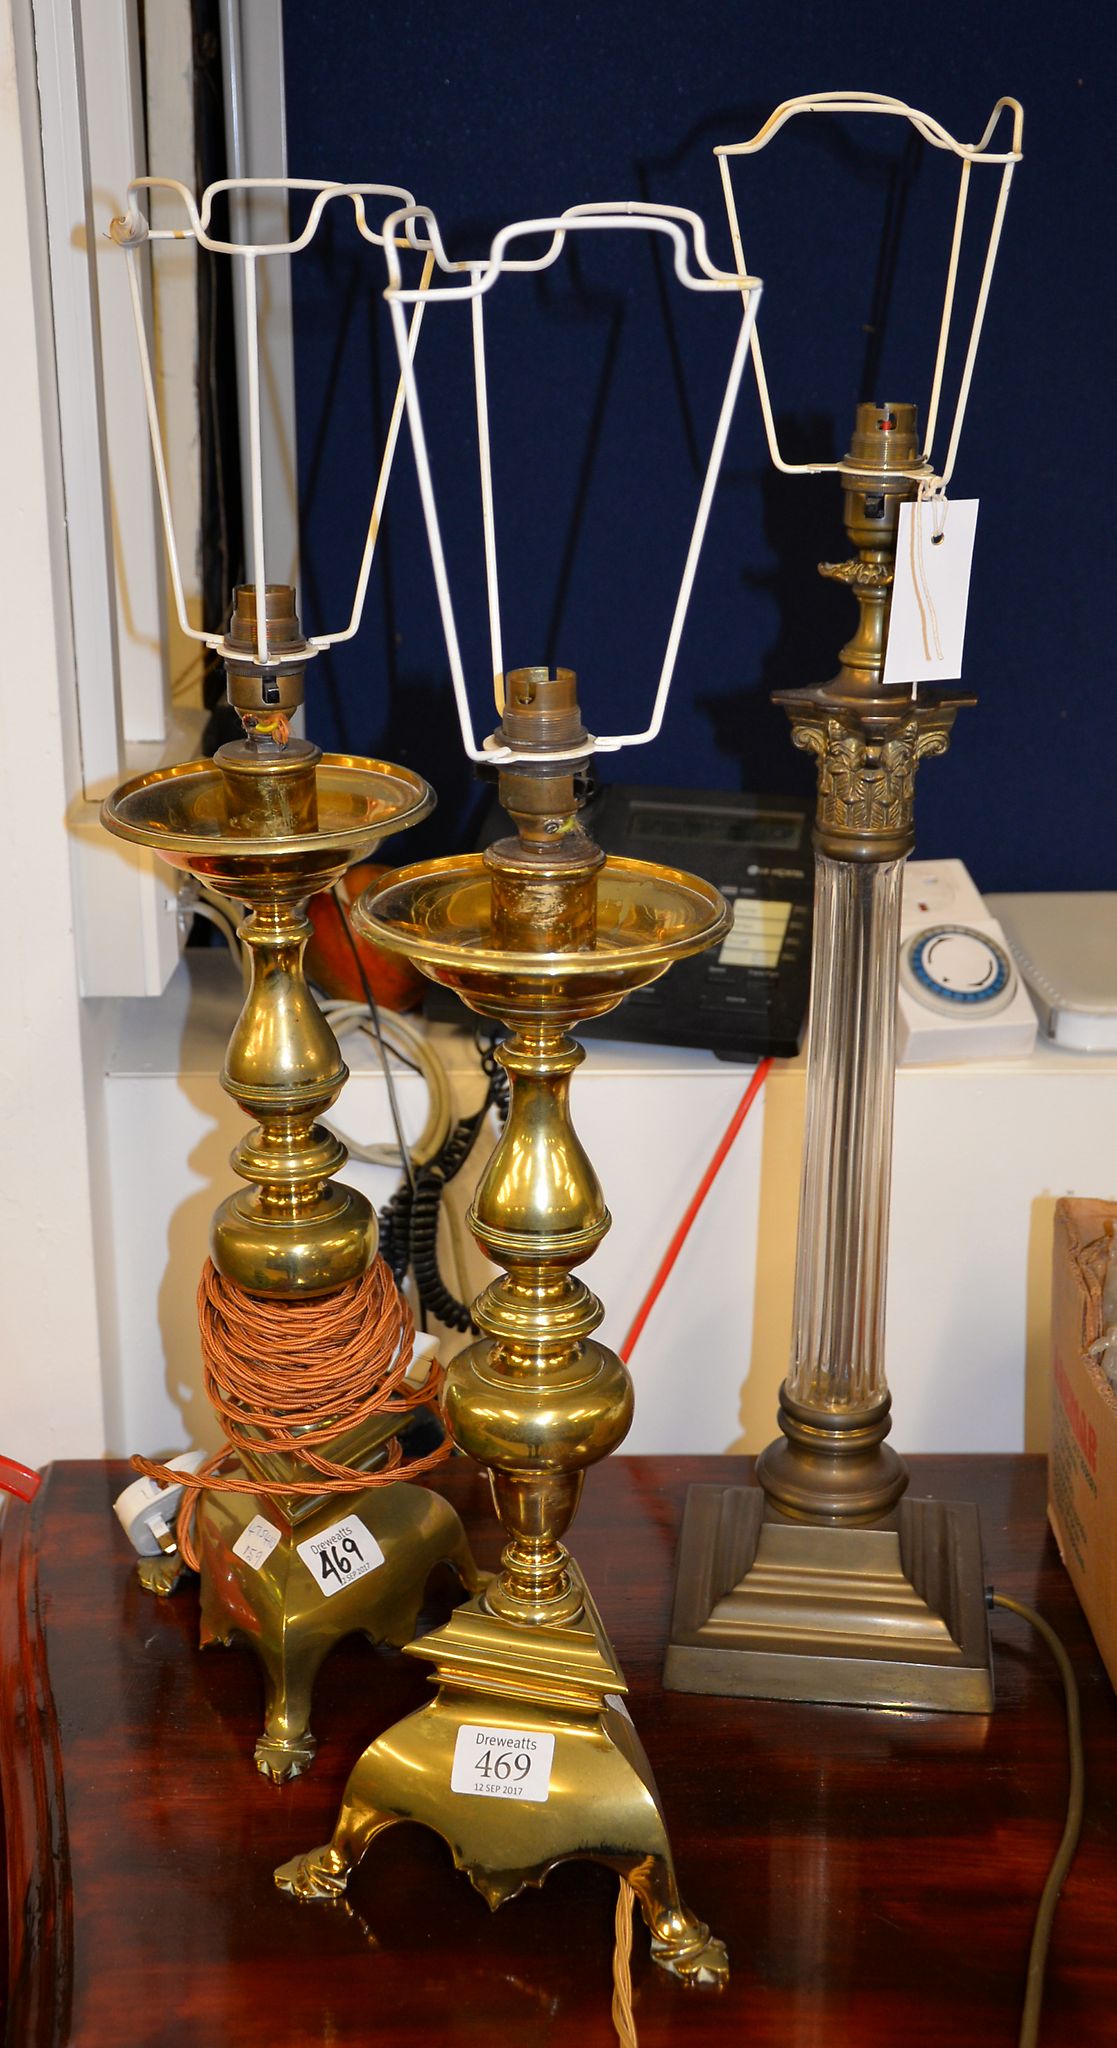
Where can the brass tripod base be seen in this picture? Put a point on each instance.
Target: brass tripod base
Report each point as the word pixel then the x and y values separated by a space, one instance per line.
pixel 599 1801
pixel 891 1616
pixel 281 1611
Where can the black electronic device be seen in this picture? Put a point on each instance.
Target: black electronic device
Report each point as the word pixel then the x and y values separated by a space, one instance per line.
pixel 748 996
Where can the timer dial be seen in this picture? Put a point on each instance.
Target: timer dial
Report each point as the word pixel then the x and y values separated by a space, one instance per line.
pixel 953 969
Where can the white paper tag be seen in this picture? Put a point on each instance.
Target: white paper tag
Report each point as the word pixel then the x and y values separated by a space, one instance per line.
pixel 930 591
pixel 340 1555
pixel 256 1542
pixel 502 1763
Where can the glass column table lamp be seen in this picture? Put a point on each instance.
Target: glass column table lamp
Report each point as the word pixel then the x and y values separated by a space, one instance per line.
pixel 526 1756
pixel 826 1582
pixel 302 1532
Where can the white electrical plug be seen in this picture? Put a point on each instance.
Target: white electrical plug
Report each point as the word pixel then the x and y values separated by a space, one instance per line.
pixel 146 1510
pixel 424 1358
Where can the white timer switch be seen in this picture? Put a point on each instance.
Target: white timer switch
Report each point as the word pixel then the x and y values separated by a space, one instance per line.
pixel 960 997
pixel 952 968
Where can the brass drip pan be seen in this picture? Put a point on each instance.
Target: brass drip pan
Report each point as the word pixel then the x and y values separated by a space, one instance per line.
pixel 439 914
pixel 182 814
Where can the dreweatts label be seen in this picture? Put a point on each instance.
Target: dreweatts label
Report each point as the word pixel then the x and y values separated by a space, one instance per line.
pixel 503 1763
pixel 340 1555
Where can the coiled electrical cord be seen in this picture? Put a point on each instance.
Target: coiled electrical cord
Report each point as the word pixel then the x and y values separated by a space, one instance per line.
pixel 409 1219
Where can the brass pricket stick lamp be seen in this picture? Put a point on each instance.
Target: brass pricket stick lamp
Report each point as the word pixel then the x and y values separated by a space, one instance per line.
pixel 828 1583
pixel 526 1755
pixel 302 1535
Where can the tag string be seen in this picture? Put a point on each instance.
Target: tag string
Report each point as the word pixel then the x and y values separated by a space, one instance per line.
pixel 931 491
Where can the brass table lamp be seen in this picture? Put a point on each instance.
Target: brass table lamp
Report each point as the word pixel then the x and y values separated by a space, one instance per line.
pixel 826 1583
pixel 291 1559
pixel 526 1756
pixel 268 825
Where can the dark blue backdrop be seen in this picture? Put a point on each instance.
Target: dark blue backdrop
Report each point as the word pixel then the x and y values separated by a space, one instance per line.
pixel 605 378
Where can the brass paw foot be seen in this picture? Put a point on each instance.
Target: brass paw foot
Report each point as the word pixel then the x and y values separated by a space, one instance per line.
pixel 320 1874
pixel 279 1760
pixel 695 1957
pixel 160 1574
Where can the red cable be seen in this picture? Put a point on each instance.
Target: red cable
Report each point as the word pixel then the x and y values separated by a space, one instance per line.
pixel 699 1196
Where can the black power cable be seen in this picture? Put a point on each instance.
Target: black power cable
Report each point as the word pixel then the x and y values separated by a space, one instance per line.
pixel 409 1220
pixel 1072 1828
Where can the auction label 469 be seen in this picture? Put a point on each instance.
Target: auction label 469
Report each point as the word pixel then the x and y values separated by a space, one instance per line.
pixel 340 1555
pixel 502 1763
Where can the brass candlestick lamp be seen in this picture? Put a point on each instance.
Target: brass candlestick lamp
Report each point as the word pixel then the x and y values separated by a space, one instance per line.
pixel 526 1755
pixel 828 1583
pixel 291 1557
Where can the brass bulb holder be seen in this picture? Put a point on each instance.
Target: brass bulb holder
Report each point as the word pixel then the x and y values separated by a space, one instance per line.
pixel 826 1584
pixel 262 689
pixel 540 932
pixel 268 823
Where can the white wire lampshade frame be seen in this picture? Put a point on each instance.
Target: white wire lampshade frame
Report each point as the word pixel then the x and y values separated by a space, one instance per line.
pixel 686 234
pixel 969 154
pixel 131 231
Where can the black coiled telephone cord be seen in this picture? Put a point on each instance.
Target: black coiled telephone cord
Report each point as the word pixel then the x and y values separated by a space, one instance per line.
pixel 409 1220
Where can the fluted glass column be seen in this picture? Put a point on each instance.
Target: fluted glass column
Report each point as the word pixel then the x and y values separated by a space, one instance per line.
pixel 838 1336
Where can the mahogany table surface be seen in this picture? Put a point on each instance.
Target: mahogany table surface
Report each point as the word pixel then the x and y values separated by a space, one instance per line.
pixel 874 1874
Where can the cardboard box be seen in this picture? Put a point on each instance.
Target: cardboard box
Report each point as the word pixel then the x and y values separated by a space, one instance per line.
pixel 1082 1465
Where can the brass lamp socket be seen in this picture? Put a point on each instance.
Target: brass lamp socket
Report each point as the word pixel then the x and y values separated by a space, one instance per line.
pixel 884 444
pixel 543 797
pixel 258 688
pixel 544 882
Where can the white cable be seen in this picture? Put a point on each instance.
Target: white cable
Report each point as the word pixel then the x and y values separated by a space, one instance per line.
pixel 198 908
pixel 938 137
pixel 686 233
pixel 345 1016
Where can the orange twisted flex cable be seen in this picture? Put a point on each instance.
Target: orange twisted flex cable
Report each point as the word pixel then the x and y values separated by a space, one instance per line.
pixel 293 1375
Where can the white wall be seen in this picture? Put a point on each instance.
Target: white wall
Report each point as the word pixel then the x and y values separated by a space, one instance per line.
pixel 981 1153
pixel 50 1335
pixel 78 915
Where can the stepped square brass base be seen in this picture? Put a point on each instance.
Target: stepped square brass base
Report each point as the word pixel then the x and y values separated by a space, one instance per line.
pixel 601 1802
pixel 889 1616
pixel 280 1611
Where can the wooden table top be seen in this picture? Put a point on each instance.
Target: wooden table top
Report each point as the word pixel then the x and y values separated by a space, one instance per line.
pixel 875 1875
